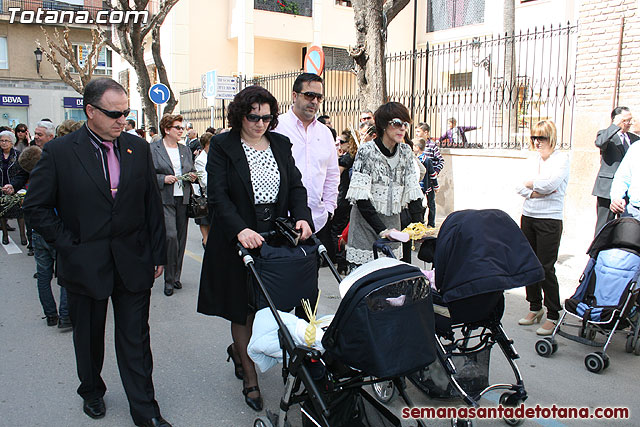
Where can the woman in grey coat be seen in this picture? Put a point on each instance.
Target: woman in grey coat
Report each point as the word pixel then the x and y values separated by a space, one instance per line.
pixel 171 160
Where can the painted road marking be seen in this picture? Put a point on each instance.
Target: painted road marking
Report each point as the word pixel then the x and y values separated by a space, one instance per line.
pixel 12 248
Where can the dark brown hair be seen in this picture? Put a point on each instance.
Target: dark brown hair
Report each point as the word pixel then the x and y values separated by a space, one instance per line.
pixel 243 103
pixel 387 112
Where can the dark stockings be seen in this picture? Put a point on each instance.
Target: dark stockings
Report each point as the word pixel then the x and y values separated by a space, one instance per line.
pixel 241 335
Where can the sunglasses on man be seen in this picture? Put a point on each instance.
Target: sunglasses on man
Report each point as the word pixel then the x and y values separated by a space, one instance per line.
pixel 254 118
pixel 310 96
pixel 113 114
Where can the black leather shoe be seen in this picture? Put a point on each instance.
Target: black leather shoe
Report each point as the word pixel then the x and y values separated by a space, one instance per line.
pixel 5 240
pixel 10 228
pixel 64 323
pixel 254 403
pixel 177 285
pixel 94 408
pixel 155 422
pixel 30 252
pixel 52 320
pixel 168 290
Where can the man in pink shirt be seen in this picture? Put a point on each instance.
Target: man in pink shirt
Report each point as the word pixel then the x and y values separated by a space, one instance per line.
pixel 314 152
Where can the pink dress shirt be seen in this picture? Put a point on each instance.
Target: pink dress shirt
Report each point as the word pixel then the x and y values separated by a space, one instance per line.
pixel 315 154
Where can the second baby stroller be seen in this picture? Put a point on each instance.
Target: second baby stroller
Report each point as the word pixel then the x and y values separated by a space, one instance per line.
pixel 477 255
pixel 605 300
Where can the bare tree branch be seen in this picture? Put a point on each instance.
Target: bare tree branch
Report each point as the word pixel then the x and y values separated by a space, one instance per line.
pixel 391 8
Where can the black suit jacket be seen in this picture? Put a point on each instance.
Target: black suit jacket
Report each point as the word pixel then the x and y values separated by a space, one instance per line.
pixel 69 203
pixel 611 153
pixel 223 289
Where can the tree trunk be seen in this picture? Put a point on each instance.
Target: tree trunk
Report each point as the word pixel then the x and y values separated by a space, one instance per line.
pixel 372 18
pixel 132 44
pixel 510 79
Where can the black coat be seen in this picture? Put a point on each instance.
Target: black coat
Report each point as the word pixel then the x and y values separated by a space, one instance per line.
pixel 611 153
pixel 69 204
pixel 17 176
pixel 223 280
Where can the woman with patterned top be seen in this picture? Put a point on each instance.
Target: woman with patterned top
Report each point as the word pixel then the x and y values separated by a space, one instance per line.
pixel 252 181
pixel 383 182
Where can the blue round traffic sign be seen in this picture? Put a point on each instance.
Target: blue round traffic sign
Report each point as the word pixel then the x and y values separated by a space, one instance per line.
pixel 159 93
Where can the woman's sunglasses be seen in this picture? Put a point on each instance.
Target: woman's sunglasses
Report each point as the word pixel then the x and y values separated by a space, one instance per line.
pixel 535 138
pixel 113 114
pixel 310 96
pixel 254 118
pixel 397 124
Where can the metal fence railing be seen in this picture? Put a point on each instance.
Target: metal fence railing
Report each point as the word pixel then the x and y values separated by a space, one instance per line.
pixel 499 84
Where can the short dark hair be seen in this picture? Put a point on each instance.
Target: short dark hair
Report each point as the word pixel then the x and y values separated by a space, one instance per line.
pixel 333 132
pixel 387 112
pixel 96 88
pixel 153 129
pixel 323 119
pixel 132 122
pixel 305 78
pixel 425 127
pixel 242 104
pixel 211 130
pixel 617 111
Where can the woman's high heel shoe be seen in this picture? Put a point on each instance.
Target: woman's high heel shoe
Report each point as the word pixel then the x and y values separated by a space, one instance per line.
pixel 547 328
pixel 5 240
pixel 237 366
pixel 254 403
pixel 531 318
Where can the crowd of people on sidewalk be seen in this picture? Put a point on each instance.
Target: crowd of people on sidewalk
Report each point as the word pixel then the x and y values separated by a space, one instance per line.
pixel 108 211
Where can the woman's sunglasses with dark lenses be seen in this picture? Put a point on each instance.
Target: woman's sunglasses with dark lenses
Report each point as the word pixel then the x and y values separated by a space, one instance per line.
pixel 397 124
pixel 254 118
pixel 113 114
pixel 535 138
pixel 310 96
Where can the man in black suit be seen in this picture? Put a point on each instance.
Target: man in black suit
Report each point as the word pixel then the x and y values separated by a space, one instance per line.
pixel 94 196
pixel 613 143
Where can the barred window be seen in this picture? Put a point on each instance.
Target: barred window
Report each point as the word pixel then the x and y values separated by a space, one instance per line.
pixel 445 14
pixel 460 81
pixel 337 59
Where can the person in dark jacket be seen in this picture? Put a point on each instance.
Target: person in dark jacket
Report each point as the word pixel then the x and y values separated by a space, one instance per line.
pixel 252 180
pixel 12 179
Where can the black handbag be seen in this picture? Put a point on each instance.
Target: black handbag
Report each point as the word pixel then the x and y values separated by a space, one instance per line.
pixel 197 207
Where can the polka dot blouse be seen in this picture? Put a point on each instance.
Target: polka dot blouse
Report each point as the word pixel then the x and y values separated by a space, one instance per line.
pixel 265 176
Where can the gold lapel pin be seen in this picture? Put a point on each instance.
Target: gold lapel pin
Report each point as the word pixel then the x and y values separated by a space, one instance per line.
pixel 129 150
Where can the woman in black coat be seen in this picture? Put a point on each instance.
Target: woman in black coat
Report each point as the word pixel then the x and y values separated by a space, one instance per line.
pixel 252 180
pixel 12 179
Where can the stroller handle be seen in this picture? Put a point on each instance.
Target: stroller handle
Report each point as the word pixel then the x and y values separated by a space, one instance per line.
pixel 383 246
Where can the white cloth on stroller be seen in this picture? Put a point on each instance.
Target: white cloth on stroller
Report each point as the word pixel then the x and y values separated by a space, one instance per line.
pixel 363 270
pixel 264 346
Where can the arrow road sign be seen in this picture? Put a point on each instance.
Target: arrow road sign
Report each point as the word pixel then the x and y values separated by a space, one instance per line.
pixel 159 93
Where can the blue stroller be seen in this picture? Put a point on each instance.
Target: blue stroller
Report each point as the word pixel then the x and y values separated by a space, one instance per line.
pixel 606 298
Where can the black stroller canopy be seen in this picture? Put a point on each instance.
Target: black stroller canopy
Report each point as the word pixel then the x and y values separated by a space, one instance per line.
pixel 482 251
pixel 622 233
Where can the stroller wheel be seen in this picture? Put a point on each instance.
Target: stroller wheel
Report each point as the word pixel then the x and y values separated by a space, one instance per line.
pixel 262 422
pixel 636 348
pixel 595 362
pixel 629 344
pixel 458 422
pixel 510 400
pixel 544 348
pixel 384 391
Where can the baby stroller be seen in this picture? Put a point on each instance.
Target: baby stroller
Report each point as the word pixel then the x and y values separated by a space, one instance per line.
pixel 359 342
pixel 606 298
pixel 477 255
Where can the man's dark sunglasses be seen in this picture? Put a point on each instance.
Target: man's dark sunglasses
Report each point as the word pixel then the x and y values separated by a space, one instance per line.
pixel 113 114
pixel 310 96
pixel 256 118
pixel 539 138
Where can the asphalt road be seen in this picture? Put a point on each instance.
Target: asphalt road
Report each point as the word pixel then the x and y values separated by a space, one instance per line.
pixel 196 387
